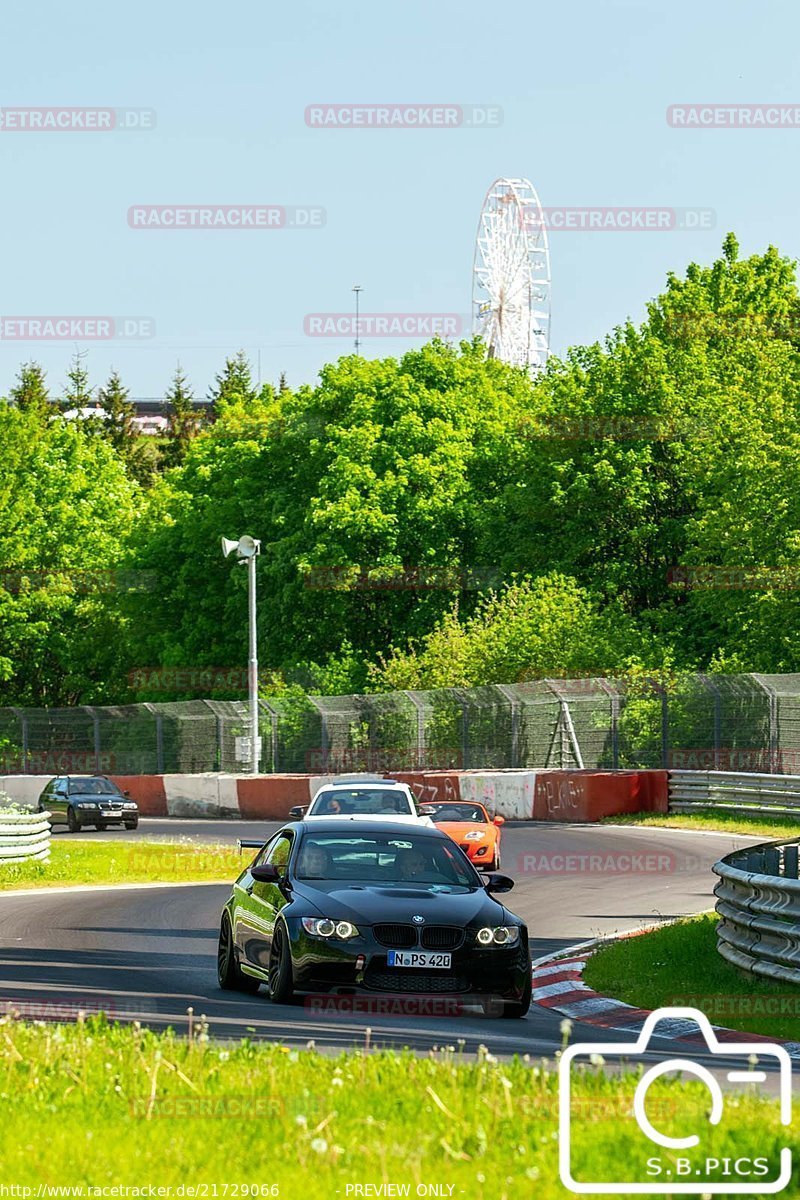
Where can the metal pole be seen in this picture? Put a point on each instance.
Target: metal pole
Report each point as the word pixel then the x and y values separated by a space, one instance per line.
pixel 252 672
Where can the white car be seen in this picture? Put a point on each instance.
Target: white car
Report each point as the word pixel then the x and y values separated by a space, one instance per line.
pixel 382 799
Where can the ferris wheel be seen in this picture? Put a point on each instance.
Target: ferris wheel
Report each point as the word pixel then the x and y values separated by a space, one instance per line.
pixel 511 275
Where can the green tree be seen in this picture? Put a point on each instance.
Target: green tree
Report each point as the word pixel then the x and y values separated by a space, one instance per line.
pixel 119 415
pixel 77 391
pixel 30 390
pixel 234 384
pixel 183 419
pixel 66 510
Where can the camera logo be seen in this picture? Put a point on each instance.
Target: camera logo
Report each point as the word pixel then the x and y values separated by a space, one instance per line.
pixel 697 1158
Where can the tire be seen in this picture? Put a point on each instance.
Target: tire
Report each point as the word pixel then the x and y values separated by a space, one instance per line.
pixel 131 824
pixel 230 977
pixel 73 822
pixel 281 981
pixel 512 1009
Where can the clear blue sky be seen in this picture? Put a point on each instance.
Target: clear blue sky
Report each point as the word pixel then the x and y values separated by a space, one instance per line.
pixel 584 89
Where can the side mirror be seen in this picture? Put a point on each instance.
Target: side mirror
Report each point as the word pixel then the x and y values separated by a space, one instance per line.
pixel 499 820
pixel 126 793
pixel 496 882
pixel 265 873
pixel 298 812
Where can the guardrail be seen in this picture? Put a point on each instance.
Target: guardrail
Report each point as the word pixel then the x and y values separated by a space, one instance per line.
pixel 24 837
pixel 758 901
pixel 737 792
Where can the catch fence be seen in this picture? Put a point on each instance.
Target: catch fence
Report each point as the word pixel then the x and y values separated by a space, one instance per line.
pixel 741 723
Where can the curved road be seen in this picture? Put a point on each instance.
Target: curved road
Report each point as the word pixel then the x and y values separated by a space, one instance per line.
pixel 149 953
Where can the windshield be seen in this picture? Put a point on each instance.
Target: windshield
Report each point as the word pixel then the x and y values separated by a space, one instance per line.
pixel 474 813
pixel 385 859
pixel 361 802
pixel 92 787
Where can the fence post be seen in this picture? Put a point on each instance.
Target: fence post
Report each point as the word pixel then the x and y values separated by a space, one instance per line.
pixel 96 723
pixel 273 735
pixel 464 731
pixel 613 695
pixel 664 727
pixel 772 696
pixel 420 748
pixel 159 739
pixel 22 717
pixel 506 691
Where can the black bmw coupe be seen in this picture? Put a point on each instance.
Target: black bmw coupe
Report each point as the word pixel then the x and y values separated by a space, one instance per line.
pixel 364 906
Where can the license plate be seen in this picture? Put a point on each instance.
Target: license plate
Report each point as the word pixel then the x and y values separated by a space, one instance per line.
pixel 418 958
pixel 111 814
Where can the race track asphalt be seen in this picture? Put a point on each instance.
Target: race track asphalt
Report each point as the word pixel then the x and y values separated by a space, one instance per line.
pixel 149 953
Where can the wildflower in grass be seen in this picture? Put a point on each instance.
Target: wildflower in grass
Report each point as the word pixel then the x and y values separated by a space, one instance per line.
pixel 319 1146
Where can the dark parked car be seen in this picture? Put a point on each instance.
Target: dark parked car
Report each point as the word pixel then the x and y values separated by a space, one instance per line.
pixel 81 800
pixel 367 906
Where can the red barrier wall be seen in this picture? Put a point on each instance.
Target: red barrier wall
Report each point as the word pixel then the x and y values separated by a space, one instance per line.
pixel 148 792
pixel 592 795
pixel 269 797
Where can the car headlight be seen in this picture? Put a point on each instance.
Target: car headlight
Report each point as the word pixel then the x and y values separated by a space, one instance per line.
pixel 499 935
pixel 86 804
pixel 129 804
pixel 474 835
pixel 324 927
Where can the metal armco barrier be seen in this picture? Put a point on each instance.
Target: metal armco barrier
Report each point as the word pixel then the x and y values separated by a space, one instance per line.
pixel 731 791
pixel 758 901
pixel 24 837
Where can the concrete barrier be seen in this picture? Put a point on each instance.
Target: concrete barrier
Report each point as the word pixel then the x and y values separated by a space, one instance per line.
pixel 591 795
pixel 24 790
pixel 24 837
pixel 521 795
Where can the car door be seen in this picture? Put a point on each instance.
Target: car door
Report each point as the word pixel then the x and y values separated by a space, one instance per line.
pixel 57 801
pixel 258 904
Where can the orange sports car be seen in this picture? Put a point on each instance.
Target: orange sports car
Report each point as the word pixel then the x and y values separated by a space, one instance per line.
pixel 469 825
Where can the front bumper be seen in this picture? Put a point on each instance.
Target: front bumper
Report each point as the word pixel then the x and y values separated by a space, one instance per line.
pixel 477 971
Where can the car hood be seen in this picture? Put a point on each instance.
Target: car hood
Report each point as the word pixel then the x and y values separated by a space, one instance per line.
pixel 457 829
pixel 85 796
pixel 367 904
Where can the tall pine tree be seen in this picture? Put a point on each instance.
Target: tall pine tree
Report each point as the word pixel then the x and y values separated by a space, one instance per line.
pixel 78 392
pixel 234 383
pixel 119 413
pixel 183 421
pixel 30 390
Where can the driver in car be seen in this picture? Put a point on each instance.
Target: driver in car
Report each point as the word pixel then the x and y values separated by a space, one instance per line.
pixel 314 862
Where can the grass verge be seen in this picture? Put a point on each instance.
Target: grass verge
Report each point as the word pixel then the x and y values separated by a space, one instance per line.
pixel 679 965
pixel 98 1105
pixel 134 861
pixel 766 827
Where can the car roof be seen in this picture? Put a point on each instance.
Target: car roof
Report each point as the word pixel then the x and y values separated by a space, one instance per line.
pixel 355 825
pixel 351 783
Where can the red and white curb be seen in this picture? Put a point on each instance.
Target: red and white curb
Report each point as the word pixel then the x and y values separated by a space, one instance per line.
pixel 558 985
